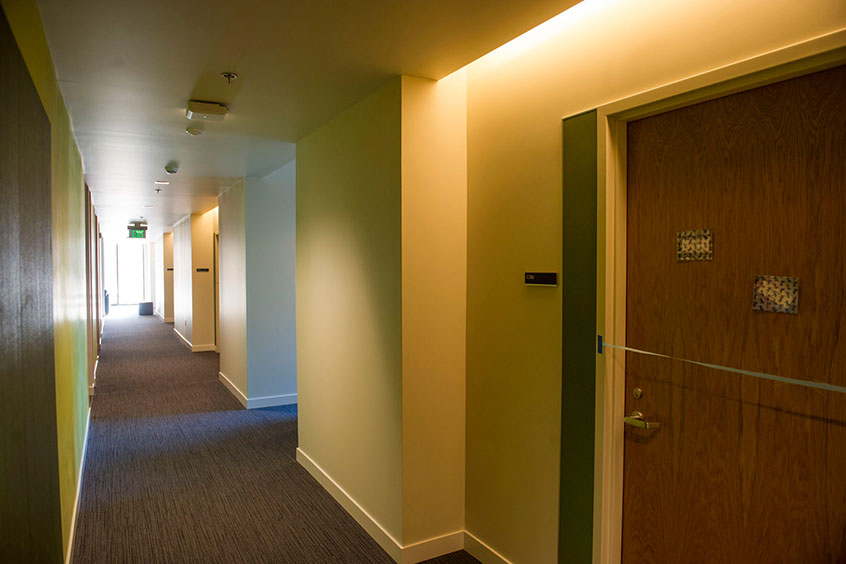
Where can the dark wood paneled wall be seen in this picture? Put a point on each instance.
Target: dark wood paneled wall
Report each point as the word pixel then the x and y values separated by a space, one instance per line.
pixel 30 516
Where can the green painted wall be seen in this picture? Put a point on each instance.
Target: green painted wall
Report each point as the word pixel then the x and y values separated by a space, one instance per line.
pixel 69 276
pixel 578 358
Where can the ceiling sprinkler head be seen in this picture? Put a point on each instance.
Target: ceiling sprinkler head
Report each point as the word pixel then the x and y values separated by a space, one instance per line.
pixel 229 76
pixel 158 190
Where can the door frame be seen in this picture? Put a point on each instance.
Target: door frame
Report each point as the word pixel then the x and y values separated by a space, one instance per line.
pixel 802 58
pixel 216 283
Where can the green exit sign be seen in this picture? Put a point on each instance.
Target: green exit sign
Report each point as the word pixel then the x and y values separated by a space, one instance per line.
pixel 137 233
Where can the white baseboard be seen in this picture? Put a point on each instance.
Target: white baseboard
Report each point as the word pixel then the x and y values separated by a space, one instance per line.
pixel 232 388
pixel 69 553
pixel 256 403
pixel 409 554
pixel 362 517
pixel 182 338
pixel 93 383
pixel 192 346
pixel 432 548
pixel 158 314
pixel 271 401
pixel 481 551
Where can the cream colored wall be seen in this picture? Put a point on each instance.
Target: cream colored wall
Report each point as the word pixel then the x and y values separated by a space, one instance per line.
pixel 167 254
pixel 348 278
pixel 434 299
pixel 157 252
pixel 149 271
pixel 381 282
pixel 193 292
pixel 233 287
pixel 596 52
pixel 203 227
pixel 183 296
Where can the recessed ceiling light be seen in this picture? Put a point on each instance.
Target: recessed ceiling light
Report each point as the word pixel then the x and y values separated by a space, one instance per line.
pixel 162 182
pixel 193 130
pixel 148 206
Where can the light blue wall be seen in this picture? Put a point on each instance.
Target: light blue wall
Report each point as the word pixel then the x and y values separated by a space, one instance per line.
pixel 270 215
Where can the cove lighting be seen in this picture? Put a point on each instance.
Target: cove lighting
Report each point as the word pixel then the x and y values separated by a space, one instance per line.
pixel 570 18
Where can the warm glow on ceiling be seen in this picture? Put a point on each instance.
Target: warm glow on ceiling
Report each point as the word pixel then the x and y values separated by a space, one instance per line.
pixel 553 27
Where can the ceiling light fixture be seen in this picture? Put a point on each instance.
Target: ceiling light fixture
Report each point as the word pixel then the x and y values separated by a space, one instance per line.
pixel 229 76
pixel 148 206
pixel 211 111
pixel 162 182
pixel 172 167
pixel 193 130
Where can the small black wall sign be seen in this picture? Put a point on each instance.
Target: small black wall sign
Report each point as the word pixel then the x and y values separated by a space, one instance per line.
pixel 541 279
pixel 202 270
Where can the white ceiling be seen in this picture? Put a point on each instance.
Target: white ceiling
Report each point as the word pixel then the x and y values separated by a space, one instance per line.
pixel 127 69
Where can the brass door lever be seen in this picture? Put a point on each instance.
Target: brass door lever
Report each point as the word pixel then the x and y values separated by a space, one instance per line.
pixel 636 420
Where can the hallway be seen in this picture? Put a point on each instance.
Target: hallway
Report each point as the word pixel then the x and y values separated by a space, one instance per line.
pixel 177 471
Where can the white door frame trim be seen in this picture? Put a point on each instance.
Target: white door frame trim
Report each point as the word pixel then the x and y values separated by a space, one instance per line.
pixel 808 56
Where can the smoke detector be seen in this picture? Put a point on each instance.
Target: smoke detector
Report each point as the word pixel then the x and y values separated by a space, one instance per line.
pixel 209 111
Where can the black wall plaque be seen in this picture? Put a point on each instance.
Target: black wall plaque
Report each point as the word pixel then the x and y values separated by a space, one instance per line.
pixel 202 270
pixel 541 279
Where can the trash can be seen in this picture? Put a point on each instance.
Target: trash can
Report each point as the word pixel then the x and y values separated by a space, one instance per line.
pixel 145 308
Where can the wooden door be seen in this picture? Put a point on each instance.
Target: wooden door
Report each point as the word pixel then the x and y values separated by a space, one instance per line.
pixel 741 470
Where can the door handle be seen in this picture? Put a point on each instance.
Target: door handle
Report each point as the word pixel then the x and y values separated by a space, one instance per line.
pixel 636 420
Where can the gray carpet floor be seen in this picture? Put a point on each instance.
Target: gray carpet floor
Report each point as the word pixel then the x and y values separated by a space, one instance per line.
pixel 178 472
